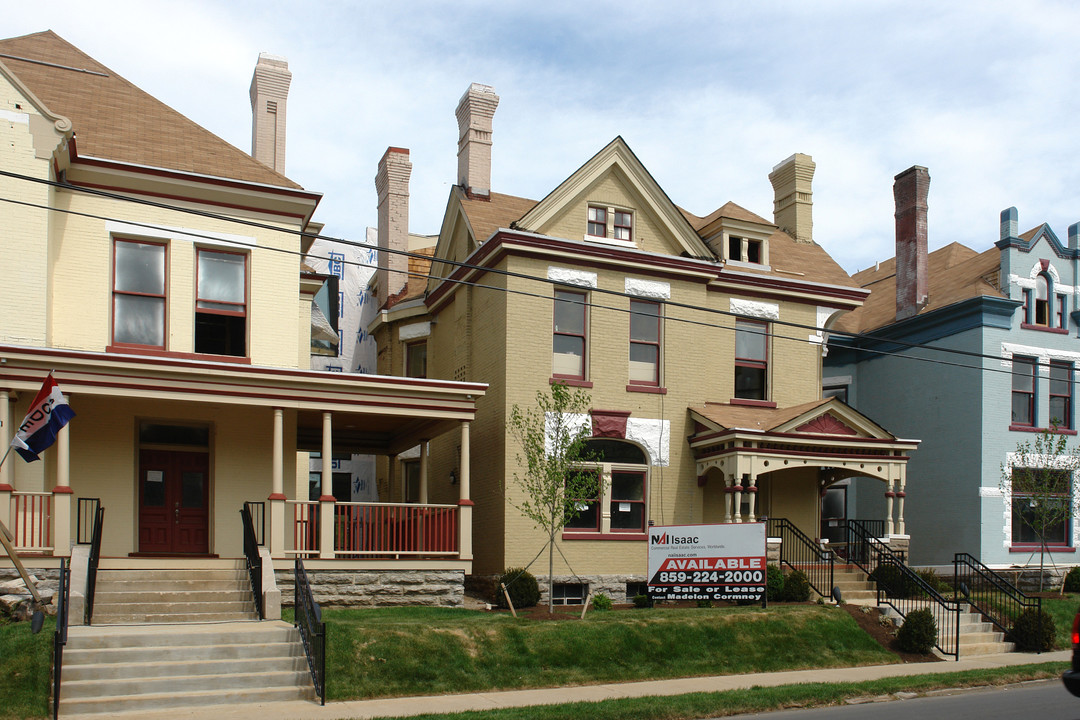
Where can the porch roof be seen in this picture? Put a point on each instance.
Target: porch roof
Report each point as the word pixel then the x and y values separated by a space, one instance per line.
pixel 372 413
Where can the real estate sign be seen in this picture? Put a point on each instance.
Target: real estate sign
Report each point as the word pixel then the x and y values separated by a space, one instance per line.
pixel 707 562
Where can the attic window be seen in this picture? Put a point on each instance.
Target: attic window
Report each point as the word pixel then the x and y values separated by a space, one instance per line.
pixel 742 249
pixel 612 224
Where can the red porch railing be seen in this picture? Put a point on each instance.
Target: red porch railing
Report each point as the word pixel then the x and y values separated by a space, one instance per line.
pixel 395 529
pixel 31 521
pixel 305 527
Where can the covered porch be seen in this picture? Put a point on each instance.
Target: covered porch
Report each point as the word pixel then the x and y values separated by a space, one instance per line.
pixel 173 447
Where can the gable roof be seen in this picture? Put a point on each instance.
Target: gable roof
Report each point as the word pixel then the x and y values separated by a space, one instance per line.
pixel 727 210
pixel 115 120
pixel 955 273
pixel 500 211
pixel 827 416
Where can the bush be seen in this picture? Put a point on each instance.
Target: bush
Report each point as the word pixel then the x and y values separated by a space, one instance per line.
pixel 796 587
pixel 774 583
pixel 1029 635
pixel 704 603
pixel 601 601
pixel 522 587
pixel 894 583
pixel 1072 580
pixel 918 634
pixel 642 601
pixel 931 578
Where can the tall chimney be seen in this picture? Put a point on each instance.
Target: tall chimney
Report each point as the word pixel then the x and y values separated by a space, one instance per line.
pixel 910 189
pixel 269 92
pixel 475 111
pixel 793 197
pixel 392 186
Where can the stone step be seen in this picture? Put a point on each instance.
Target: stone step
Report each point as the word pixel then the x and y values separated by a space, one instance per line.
pixel 178 654
pixel 164 605
pixel 111 596
pixel 988 648
pixel 234 574
pixel 154 665
pixel 172 700
pixel 137 686
pixel 122 618
pixel 83 637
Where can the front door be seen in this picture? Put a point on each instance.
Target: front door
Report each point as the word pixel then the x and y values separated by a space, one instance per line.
pixel 174 494
pixel 834 514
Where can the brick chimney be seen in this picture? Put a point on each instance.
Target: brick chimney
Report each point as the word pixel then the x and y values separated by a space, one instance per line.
pixel 475 111
pixel 269 92
pixel 793 197
pixel 910 189
pixel 392 186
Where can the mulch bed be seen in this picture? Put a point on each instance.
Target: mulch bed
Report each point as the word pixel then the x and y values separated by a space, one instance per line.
pixel 870 620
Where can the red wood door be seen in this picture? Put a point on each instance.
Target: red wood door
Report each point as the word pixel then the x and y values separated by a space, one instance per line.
pixel 174 502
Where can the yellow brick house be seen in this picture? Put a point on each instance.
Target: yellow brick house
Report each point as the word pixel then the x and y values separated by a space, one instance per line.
pixel 698 338
pixel 158 273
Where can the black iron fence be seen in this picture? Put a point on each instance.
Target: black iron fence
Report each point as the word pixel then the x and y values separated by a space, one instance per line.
pixel 85 513
pixel 95 559
pixel 63 597
pixel 900 588
pixel 258 520
pixel 863 545
pixel 799 552
pixel 252 559
pixel 308 620
pixel 986 591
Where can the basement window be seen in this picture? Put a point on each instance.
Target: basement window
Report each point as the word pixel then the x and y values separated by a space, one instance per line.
pixel 569 593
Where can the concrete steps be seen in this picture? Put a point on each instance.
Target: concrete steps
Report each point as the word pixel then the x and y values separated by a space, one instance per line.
pixel 976 637
pixel 854 586
pixel 173 596
pixel 119 669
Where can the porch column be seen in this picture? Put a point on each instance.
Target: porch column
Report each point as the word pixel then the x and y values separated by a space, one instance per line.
pixel 61 539
pixel 729 481
pixel 326 500
pixel 7 476
pixel 753 496
pixel 900 495
pixel 465 504
pixel 736 491
pixel 423 472
pixel 889 495
pixel 276 542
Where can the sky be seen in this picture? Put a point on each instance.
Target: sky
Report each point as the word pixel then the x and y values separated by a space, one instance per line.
pixel 709 95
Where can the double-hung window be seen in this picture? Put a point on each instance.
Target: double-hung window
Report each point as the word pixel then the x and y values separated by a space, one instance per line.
pixel 416 359
pixel 1023 391
pixel 751 359
pixel 1061 375
pixel 1040 506
pixel 644 342
pixel 221 303
pixel 609 491
pixel 610 223
pixel 569 334
pixel 138 312
pixel 597 221
pixel 627 501
pixel 1044 308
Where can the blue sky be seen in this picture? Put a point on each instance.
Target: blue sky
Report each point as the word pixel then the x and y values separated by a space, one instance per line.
pixel 710 95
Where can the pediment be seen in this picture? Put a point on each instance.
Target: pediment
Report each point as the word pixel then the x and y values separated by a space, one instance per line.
pixel 827 424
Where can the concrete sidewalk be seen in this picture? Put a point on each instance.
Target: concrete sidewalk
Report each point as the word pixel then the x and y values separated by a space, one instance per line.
pixel 406 706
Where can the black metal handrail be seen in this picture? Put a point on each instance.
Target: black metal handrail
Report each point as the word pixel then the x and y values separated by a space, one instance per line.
pixel 252 559
pixel 84 517
pixel 899 587
pixel 799 552
pixel 996 598
pixel 864 546
pixel 308 620
pixel 92 564
pixel 63 597
pixel 258 520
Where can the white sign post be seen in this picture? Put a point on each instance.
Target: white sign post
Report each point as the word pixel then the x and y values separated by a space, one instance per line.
pixel 707 562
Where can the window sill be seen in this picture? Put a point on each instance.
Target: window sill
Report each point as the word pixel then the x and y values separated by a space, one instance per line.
pixel 126 350
pixel 647 389
pixel 569 535
pixel 1036 546
pixel 1028 428
pixel 753 403
pixel 1044 328
pixel 571 382
pixel 596 239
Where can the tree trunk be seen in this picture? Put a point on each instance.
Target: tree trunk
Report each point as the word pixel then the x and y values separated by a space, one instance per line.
pixel 551 574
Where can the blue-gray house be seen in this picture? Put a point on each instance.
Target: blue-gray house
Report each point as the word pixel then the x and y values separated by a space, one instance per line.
pixel 1003 330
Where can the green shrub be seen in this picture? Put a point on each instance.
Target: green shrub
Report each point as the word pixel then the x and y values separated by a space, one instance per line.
pixel 601 601
pixel 1072 580
pixel 931 578
pixel 892 581
pixel 796 587
pixel 522 587
pixel 774 583
pixel 642 601
pixel 704 603
pixel 918 634
pixel 1029 635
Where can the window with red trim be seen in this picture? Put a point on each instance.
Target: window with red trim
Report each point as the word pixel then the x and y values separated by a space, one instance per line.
pixel 1061 375
pixel 416 359
pixel 139 289
pixel 221 303
pixel 587 505
pixel 624 225
pixel 1035 488
pixel 751 359
pixel 627 501
pixel 597 221
pixel 569 334
pixel 1023 391
pixel 644 342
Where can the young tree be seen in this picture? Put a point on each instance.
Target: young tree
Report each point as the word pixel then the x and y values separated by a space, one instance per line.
pixel 1038 483
pixel 552 440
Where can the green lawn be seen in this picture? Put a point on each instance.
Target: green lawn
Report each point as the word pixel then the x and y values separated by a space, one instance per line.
pixel 1063 611
pixel 25 661
pixel 405 651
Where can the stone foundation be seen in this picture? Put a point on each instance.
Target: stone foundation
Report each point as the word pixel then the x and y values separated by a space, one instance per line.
pixel 1027 579
pixel 378 588
pixel 614 586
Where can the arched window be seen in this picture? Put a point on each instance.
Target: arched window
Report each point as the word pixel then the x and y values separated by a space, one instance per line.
pixel 1043 287
pixel 624 470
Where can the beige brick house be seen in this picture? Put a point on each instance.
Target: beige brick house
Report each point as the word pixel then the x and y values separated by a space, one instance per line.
pixel 699 340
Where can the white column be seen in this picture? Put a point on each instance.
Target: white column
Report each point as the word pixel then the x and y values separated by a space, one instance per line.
pixel 753 495
pixel 61 539
pixel 737 499
pixel 326 501
pixel 900 495
pixel 465 503
pixel 7 476
pixel 889 495
pixel 424 472
pixel 275 543
pixel 729 481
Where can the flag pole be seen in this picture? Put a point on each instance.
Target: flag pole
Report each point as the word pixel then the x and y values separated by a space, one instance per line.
pixel 6 453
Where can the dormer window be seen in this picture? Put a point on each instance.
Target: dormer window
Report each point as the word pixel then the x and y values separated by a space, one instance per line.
pixel 741 249
pixel 1043 308
pixel 610 224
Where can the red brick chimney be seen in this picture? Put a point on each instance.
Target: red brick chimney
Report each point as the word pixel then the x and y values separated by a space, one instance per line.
pixel 909 191
pixel 392 185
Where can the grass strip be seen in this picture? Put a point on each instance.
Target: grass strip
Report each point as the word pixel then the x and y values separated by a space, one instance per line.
pixel 387 652
pixel 25 663
pixel 758 699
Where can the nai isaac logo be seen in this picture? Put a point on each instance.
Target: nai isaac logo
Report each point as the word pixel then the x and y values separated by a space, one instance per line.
pixel 665 539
